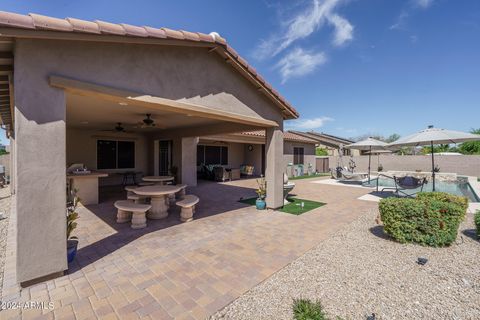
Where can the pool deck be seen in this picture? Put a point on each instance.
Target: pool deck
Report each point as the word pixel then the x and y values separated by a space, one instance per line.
pixel 377 196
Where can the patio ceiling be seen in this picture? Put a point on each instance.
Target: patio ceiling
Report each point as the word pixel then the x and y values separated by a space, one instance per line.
pixel 87 112
pixel 6 71
pixel 99 107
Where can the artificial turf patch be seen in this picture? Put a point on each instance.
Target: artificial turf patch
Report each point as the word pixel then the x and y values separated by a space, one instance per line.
pixel 293 207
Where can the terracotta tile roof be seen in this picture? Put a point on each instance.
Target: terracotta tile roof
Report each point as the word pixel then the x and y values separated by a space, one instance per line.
pixel 72 25
pixel 287 135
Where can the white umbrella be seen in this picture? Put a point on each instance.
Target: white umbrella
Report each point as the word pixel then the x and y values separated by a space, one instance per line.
pixel 433 136
pixel 368 144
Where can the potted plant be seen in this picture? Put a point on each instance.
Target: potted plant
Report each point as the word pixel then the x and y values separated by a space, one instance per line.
pixel 262 193
pixel 72 215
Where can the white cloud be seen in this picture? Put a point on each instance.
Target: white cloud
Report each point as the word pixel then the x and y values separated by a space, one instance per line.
pixel 413 5
pixel 343 29
pixel 303 25
pixel 298 63
pixel 308 124
pixel 401 21
pixel 424 4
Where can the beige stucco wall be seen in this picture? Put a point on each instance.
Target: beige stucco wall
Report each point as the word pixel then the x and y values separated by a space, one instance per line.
pixel 178 73
pixel 254 158
pixel 309 153
pixel 82 148
pixel 463 165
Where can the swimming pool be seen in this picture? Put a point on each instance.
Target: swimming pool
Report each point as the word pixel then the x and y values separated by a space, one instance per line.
pixel 461 187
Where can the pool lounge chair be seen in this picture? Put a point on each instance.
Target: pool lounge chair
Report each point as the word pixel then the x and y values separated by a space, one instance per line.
pixel 402 184
pixel 344 175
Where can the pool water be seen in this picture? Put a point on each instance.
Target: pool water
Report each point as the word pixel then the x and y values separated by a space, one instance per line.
pixel 461 187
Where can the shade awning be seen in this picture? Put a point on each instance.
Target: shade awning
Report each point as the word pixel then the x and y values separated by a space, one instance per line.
pixel 435 135
pixel 367 144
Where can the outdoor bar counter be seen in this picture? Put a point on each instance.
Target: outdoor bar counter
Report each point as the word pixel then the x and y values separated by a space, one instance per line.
pixel 87 185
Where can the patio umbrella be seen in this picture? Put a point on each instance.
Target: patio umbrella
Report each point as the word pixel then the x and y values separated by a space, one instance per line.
pixel 431 136
pixel 368 144
pixel 378 153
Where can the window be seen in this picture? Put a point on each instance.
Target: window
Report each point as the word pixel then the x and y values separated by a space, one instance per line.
pixel 298 155
pixel 113 154
pixel 212 155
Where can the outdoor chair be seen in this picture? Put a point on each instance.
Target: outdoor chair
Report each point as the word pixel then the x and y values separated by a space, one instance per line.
pixel 221 174
pixel 402 184
pixel 246 170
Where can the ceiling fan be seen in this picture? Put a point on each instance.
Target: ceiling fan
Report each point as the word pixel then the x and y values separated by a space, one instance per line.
pixel 148 122
pixel 118 128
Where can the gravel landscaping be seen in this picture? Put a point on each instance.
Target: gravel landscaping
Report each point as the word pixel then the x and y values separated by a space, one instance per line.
pixel 359 271
pixel 4 208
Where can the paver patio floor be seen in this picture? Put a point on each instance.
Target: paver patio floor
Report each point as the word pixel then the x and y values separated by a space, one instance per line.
pixel 183 271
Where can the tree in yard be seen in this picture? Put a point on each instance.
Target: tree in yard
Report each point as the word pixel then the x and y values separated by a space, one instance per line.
pixel 321 151
pixel 471 147
pixel 392 138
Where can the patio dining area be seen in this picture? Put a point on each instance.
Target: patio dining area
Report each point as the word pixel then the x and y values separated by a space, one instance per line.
pixel 186 270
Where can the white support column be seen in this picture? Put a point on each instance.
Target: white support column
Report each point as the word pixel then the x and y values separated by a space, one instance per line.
pixel 40 160
pixel 189 161
pixel 274 167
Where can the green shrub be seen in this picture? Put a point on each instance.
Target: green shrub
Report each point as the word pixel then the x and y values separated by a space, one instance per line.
pixel 304 309
pixel 444 197
pixel 430 219
pixel 476 219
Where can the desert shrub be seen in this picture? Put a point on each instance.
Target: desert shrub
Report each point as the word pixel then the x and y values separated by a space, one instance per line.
pixel 304 309
pixel 444 197
pixel 476 219
pixel 430 220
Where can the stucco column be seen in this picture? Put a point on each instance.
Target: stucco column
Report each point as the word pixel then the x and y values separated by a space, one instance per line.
pixel 189 161
pixel 40 161
pixel 274 167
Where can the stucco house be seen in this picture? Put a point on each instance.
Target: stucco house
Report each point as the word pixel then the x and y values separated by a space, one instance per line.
pixel 249 148
pixel 75 91
pixel 329 142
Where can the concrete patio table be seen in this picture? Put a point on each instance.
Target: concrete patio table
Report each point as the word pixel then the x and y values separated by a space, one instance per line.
pixel 161 180
pixel 158 195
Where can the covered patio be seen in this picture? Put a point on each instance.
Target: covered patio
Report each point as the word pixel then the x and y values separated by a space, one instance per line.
pixel 186 271
pixel 72 83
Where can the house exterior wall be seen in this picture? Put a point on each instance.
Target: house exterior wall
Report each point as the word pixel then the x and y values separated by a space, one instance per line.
pixel 180 73
pixel 309 153
pixel 236 151
pixel 81 147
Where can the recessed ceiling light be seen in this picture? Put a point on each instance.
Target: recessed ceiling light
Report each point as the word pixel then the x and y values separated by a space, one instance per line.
pixel 123 103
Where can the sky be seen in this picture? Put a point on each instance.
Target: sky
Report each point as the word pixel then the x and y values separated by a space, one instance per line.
pixel 350 67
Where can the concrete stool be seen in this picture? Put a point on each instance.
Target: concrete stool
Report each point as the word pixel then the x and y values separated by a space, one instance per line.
pixel 181 194
pixel 136 198
pixel 137 210
pixel 187 206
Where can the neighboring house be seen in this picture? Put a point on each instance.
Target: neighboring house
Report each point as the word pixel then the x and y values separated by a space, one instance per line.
pixel 248 148
pixel 330 143
pixel 87 92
